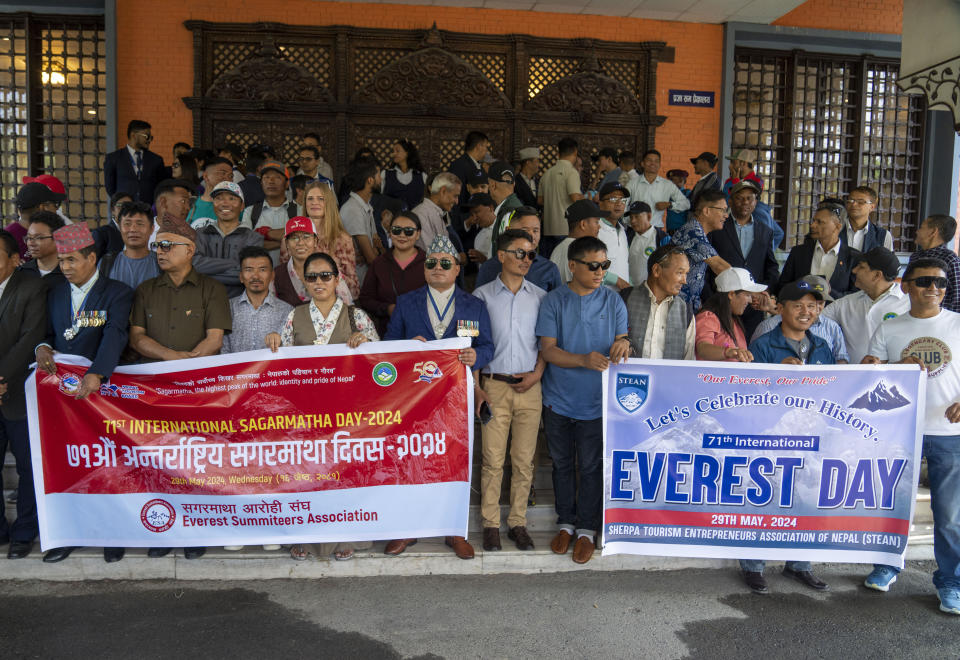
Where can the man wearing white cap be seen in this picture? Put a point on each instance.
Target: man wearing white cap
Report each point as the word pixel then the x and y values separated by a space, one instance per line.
pixel 88 315
pixel 527 180
pixel 220 243
pixel 450 312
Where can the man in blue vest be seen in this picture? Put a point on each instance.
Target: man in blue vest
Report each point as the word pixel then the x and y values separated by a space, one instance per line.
pixel 87 315
pixel 441 310
pixel 860 233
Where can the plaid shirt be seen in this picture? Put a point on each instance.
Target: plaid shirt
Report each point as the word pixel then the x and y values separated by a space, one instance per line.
pixel 951 300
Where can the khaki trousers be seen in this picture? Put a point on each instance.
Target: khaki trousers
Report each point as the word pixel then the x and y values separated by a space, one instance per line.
pixel 519 413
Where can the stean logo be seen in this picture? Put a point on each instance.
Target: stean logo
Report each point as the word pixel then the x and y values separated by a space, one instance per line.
pixel 384 374
pixel 157 515
pixel 428 372
pixel 69 384
pixel 632 391
pixel 121 391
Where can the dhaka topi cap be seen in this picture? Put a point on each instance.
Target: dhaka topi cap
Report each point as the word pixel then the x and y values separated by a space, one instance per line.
pixel 71 238
pixel 529 153
pixel 171 225
pixel 442 245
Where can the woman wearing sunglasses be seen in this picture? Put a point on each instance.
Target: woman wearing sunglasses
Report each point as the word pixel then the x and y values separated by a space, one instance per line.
pixel 395 272
pixel 720 333
pixel 300 241
pixel 325 320
pixel 320 205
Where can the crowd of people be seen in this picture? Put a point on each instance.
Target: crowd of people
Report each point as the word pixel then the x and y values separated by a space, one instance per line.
pixel 553 276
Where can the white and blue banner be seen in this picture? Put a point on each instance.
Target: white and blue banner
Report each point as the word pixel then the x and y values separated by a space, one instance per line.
pixel 745 461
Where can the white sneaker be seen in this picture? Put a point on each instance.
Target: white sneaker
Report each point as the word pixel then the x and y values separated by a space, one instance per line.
pixel 233 548
pixel 272 546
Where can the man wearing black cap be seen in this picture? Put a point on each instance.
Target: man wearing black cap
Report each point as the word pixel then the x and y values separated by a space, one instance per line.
pixel 613 200
pixel 607 167
pixel 478 226
pixel 879 299
pixel 502 185
pixel 704 166
pixel 583 219
pixel 646 239
pixel 31 197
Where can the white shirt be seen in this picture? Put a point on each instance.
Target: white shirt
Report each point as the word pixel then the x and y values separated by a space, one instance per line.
pixel 824 263
pixel 3 285
pixel 274 217
pixel 661 190
pixel 859 316
pixel 641 248
pixel 133 159
pixel 655 336
pixel 559 257
pixel 483 241
pixel 855 238
pixel 936 341
pixel 403 178
pixel 615 238
pixel 78 294
pixel 441 298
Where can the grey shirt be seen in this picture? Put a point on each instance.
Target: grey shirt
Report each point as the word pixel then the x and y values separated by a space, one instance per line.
pixel 251 326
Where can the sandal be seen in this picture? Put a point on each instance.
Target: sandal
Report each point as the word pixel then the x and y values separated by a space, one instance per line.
pixel 299 552
pixel 343 555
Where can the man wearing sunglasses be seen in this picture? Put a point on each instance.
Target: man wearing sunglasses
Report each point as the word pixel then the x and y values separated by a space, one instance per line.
pixel 441 310
pixel 613 199
pixel 930 337
pixel 542 271
pixel 180 314
pixel 512 383
pixel 582 328
pixel 133 168
pixel 933 241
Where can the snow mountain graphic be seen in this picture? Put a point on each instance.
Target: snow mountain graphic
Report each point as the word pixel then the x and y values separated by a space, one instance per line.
pixel 881 398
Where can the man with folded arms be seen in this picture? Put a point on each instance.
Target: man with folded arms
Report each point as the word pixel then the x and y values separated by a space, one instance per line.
pixel 180 314
pixel 582 328
pixel 87 315
pixel 930 337
pixel 511 381
pixel 441 310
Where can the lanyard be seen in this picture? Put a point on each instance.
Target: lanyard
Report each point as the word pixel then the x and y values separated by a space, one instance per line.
pixel 83 303
pixel 437 309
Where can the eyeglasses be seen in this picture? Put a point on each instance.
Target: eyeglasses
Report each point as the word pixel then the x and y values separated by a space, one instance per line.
pixel 520 254
pixel 858 202
pixel 719 208
pixel 299 237
pixel 36 239
pixel 325 276
pixel 164 246
pixel 406 231
pixel 146 136
pixel 431 263
pixel 595 265
pixel 924 281
pixel 619 201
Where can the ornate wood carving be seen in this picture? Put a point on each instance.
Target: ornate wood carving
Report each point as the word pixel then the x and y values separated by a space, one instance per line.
pixel 589 92
pixel 940 84
pixel 270 79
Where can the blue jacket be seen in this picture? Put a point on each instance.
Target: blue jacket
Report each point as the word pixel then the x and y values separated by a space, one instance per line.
pixel 772 348
pixel 101 345
pixel 543 272
pixel 410 320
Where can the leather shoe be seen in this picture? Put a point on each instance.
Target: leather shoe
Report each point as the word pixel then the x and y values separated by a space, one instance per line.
pixel 461 548
pixel 561 542
pixel 19 549
pixel 807 578
pixel 519 536
pixel 57 554
pixel 194 553
pixel 111 555
pixel 491 539
pixel 156 553
pixel 397 546
pixel 583 549
pixel 756 582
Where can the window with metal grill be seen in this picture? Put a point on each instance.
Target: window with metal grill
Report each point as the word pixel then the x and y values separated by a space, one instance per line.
pixel 823 124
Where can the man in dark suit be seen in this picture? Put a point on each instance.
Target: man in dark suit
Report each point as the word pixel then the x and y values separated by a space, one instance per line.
pixel 23 322
pixel 704 166
pixel 133 168
pixel 745 242
pixel 527 176
pixel 87 315
pixel 475 147
pixel 823 253
pixel 441 310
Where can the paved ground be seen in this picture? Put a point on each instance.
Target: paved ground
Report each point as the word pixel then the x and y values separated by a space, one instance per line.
pixel 648 614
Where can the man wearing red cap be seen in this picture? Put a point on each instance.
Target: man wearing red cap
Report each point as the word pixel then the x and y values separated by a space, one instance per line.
pixel 87 315
pixel 55 186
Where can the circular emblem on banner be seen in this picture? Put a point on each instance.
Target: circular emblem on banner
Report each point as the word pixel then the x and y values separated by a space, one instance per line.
pixel 384 374
pixel 933 352
pixel 157 515
pixel 889 315
pixel 69 383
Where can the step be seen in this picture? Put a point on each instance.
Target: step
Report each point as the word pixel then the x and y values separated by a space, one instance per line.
pixel 428 557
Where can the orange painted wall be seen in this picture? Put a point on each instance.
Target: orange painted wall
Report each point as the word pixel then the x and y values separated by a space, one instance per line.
pixel 154 73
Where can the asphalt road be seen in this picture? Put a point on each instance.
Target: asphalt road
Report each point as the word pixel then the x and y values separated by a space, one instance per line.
pixel 678 614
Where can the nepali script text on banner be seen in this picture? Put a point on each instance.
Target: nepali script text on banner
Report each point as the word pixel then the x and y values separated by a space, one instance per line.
pixel 744 461
pixel 310 444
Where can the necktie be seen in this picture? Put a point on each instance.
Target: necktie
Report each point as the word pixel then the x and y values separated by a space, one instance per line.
pixel 139 164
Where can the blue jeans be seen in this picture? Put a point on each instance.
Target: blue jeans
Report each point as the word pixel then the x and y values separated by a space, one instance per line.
pixel 25 528
pixel 943 468
pixel 757 565
pixel 574 443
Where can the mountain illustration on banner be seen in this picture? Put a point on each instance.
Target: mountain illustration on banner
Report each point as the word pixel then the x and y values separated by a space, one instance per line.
pixel 881 398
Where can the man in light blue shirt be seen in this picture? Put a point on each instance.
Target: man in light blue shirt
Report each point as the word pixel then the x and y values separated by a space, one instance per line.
pixel 511 381
pixel 582 328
